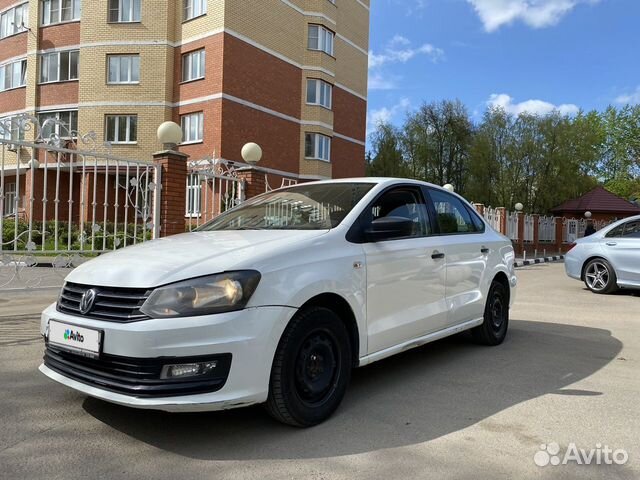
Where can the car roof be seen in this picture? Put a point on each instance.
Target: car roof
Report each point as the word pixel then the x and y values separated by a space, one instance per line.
pixel 376 180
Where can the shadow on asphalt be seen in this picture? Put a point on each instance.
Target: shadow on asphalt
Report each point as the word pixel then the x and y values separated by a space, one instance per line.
pixel 411 398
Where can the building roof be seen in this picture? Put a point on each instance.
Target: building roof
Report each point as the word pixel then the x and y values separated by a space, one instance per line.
pixel 598 200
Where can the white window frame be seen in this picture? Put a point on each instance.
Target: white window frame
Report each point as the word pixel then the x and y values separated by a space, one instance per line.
pixel 321 147
pixel 10 192
pixel 15 133
pixel 45 66
pixel 193 199
pixel 133 14
pixel 193 9
pixel 13 75
pixel 192 127
pixel 51 11
pixel 116 131
pixel 323 40
pixel 131 63
pixel 58 114
pixel 194 60
pixel 14 20
pixel 319 89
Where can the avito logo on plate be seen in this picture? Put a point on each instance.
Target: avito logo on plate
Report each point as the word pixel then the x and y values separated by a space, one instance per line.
pixel 71 335
pixel 549 454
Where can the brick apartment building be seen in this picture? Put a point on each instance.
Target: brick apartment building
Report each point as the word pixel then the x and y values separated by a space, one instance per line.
pixel 290 75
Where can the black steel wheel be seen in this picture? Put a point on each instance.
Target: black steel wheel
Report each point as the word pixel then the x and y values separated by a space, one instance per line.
pixel 493 329
pixel 311 369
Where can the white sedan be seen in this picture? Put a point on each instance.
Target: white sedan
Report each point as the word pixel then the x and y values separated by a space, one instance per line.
pixel 275 301
pixel 608 259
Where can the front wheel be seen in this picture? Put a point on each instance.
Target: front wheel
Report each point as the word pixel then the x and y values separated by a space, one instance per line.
pixel 311 369
pixel 600 277
pixel 496 317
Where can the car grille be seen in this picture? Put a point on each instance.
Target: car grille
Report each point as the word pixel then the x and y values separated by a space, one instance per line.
pixel 139 377
pixel 113 304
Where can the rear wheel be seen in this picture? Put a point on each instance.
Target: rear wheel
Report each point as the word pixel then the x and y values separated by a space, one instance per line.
pixel 600 277
pixel 496 317
pixel 311 369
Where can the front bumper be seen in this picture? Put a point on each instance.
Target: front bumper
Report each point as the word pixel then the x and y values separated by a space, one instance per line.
pixel 248 337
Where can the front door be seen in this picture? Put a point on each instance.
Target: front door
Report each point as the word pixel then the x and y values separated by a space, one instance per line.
pixel 405 276
pixel 622 246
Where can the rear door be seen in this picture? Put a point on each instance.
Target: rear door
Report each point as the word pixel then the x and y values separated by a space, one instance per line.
pixel 622 247
pixel 463 233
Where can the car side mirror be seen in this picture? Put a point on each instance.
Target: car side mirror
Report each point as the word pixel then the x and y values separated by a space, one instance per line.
pixel 386 228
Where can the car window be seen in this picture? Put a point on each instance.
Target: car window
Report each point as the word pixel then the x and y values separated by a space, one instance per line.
pixel 404 202
pixel 616 232
pixel 452 214
pixel 632 229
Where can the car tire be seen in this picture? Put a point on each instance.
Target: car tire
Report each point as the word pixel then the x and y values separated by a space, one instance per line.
pixel 493 329
pixel 311 368
pixel 600 277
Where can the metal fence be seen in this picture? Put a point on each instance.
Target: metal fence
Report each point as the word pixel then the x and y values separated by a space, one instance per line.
pixel 546 229
pixel 64 197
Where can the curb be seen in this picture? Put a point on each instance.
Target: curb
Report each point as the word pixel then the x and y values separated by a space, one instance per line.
pixel 524 263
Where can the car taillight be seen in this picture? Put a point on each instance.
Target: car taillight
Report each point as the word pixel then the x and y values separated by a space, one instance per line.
pixel 571 245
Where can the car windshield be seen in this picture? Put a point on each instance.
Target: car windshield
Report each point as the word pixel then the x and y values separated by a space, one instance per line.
pixel 303 207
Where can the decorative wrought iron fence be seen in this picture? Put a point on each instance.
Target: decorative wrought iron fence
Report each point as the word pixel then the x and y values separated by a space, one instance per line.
pixel 546 229
pixel 64 197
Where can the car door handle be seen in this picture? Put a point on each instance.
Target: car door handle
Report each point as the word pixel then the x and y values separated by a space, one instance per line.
pixel 484 250
pixel 612 244
pixel 437 255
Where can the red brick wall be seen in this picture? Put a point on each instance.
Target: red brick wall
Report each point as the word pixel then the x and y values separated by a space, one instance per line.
pixel 350 114
pixel 347 158
pixel 12 100
pixel 59 36
pixel 61 93
pixel 279 138
pixel 13 46
pixel 212 83
pixel 261 78
pixel 212 120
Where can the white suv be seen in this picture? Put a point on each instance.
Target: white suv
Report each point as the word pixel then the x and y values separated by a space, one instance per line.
pixel 278 299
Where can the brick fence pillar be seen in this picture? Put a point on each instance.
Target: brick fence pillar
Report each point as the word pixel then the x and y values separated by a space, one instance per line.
pixel 479 208
pixel 503 220
pixel 254 181
pixel 173 191
pixel 559 231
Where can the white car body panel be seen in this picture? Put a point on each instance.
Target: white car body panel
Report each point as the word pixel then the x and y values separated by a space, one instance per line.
pixel 399 300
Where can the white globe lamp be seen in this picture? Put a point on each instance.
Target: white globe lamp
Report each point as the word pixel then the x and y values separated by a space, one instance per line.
pixel 169 134
pixel 587 214
pixel 251 153
pixel 519 207
pixel 448 187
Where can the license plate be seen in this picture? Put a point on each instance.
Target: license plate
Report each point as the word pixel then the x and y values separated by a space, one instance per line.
pixel 82 340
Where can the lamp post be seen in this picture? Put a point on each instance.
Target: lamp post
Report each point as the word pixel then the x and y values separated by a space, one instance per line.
pixel 170 135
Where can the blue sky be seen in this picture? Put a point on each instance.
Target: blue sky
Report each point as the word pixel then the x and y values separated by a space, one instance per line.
pixel 532 55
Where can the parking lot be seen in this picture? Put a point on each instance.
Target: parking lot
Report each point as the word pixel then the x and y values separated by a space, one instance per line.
pixel 567 373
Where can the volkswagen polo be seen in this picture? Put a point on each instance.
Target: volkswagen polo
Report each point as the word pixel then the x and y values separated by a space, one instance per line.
pixel 277 300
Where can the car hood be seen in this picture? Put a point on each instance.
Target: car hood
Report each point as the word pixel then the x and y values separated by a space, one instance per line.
pixel 188 255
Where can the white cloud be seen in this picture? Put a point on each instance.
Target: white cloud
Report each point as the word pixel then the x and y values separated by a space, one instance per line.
pixel 629 98
pixel 378 81
pixel 399 50
pixel 387 114
pixel 535 107
pixel 535 13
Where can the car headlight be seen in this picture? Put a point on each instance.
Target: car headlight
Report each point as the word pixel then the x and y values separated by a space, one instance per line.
pixel 219 293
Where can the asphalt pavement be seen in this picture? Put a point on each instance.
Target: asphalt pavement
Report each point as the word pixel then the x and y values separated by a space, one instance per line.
pixel 567 374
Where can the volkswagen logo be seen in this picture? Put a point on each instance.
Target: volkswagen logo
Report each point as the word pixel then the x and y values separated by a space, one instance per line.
pixel 86 302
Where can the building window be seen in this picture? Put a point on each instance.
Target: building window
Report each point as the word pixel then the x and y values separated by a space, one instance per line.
pixel 123 68
pixel 319 92
pixel 63 124
pixel 194 194
pixel 13 75
pixel 194 8
pixel 57 11
pixel 192 127
pixel 124 11
pixel 9 207
pixel 59 66
pixel 193 65
pixel 121 128
pixel 320 39
pixel 317 147
pixel 11 129
pixel 14 20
